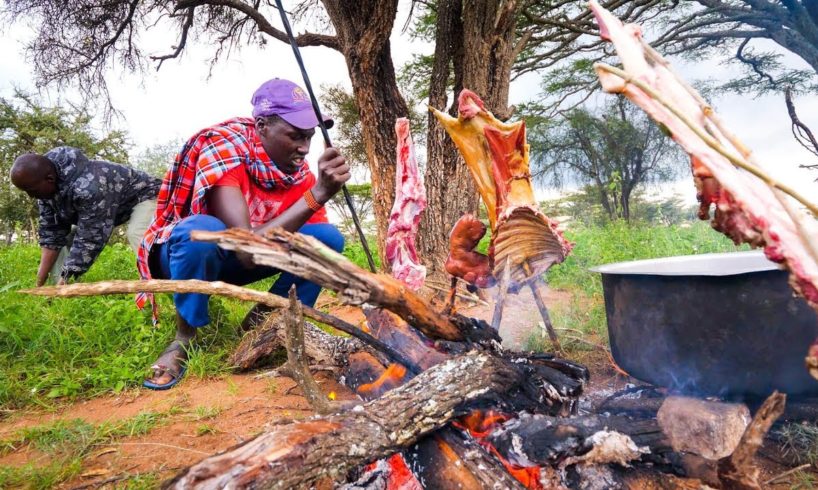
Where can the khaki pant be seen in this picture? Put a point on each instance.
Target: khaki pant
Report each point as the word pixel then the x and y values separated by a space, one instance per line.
pixel 141 218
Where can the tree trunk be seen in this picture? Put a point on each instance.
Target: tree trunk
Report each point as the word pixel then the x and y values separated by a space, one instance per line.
pixel 450 189
pixel 363 29
pixel 477 43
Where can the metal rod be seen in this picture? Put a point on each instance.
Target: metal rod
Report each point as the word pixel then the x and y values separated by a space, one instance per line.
pixel 327 142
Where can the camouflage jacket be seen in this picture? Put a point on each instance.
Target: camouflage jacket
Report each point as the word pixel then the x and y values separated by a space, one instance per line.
pixel 95 196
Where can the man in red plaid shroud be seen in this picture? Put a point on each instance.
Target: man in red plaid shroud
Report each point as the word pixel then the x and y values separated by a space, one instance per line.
pixel 246 173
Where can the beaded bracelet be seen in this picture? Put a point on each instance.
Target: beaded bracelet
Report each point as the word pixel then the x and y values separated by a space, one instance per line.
pixel 311 202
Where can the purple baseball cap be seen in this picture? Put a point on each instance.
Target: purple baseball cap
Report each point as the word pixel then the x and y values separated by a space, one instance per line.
pixel 287 100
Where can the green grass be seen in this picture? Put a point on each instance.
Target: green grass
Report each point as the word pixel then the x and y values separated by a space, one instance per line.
pixel 63 349
pixel 67 442
pixel 800 441
pixel 615 242
pixel 57 350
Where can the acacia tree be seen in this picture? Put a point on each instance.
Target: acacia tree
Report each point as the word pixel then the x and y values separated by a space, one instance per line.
pixel 612 154
pixel 76 41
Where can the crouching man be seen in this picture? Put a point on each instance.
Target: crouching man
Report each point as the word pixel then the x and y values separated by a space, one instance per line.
pixel 81 201
pixel 248 173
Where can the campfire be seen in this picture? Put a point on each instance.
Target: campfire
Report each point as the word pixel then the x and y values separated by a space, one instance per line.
pixel 442 404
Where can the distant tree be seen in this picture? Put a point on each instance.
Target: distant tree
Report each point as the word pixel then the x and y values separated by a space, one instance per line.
pixel 614 153
pixel 27 126
pixel 156 159
pixel 361 195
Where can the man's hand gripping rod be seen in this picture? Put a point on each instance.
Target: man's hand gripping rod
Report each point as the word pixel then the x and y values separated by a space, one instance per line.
pixel 327 142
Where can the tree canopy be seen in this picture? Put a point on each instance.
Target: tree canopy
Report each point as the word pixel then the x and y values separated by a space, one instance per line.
pixel 613 154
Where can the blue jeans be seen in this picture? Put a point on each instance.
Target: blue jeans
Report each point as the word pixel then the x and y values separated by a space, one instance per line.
pixel 181 258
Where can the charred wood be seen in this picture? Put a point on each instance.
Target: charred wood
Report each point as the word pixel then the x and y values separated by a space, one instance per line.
pixel 300 453
pixel 449 460
pixel 320 347
pixel 542 440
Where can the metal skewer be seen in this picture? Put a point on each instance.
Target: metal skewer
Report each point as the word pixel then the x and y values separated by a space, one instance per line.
pixel 327 142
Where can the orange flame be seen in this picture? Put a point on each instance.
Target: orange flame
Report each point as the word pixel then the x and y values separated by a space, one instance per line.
pixel 390 378
pixel 481 423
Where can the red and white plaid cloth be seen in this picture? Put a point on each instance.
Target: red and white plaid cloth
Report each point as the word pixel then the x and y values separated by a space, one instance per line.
pixel 204 159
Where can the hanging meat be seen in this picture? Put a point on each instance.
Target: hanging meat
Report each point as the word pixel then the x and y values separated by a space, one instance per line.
pixel 749 205
pixel 410 201
pixel 523 238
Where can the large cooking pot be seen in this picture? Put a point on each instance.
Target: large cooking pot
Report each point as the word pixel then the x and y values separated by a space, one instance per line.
pixel 712 324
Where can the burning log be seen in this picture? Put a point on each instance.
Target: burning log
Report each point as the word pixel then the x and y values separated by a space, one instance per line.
pixel 404 219
pixel 396 333
pixel 448 460
pixel 301 453
pixel 442 460
pixel 308 258
pixel 320 347
pixel 531 440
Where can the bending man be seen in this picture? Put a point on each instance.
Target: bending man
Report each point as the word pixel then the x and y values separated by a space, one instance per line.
pixel 243 173
pixel 81 201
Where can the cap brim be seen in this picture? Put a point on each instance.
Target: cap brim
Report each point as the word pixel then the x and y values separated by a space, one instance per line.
pixel 305 119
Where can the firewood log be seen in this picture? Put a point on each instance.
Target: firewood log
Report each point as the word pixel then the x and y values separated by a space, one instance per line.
pixel 299 454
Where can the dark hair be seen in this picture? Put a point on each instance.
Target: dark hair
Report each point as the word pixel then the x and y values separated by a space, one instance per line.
pixel 270 120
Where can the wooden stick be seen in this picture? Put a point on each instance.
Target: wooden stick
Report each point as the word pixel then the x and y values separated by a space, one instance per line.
pixel 502 291
pixel 546 318
pixel 787 473
pixel 452 297
pixel 297 365
pixel 219 288
pixel 296 455
pixel 306 257
pixel 738 470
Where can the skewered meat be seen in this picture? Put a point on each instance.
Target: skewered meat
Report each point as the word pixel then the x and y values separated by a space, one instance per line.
pixel 746 209
pixel 410 201
pixel 523 238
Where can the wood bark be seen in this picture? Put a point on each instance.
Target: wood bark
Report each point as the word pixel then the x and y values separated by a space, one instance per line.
pixel 363 29
pixel 448 460
pixel 445 459
pixel 299 454
pixel 738 471
pixel 320 347
pixel 545 440
pixel 474 49
pixel 297 366
pixel 308 258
